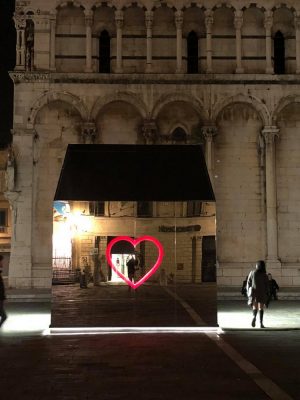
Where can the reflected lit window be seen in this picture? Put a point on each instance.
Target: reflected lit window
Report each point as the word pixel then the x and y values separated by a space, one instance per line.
pixel 3 220
pixel 97 208
pixel 193 208
pixel 144 209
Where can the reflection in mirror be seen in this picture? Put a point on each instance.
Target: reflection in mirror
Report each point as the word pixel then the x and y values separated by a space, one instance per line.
pixel 133 264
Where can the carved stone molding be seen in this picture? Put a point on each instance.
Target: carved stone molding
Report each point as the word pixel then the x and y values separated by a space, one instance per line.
pixel 20 77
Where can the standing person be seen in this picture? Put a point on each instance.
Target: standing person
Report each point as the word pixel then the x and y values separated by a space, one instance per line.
pixel 273 288
pixel 258 291
pixel 2 295
pixel 131 264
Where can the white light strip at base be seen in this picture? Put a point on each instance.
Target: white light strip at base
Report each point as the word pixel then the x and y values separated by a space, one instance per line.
pixel 110 331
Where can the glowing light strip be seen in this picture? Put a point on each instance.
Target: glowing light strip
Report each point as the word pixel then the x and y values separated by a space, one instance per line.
pixel 124 331
pixel 134 243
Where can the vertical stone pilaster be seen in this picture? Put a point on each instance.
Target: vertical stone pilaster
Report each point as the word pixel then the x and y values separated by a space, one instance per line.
pixel 21 201
pixel 88 44
pixel 268 27
pixel 209 132
pixel 178 23
pixel 149 24
pixel 297 29
pixel 238 23
pixel 208 24
pixel 270 133
pixel 52 41
pixel 119 18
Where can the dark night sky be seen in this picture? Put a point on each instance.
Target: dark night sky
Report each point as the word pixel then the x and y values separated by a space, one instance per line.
pixel 7 63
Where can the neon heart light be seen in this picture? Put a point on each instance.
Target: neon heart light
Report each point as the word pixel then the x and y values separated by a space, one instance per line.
pixel 134 243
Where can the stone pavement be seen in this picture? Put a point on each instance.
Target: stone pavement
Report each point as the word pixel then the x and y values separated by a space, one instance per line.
pixel 149 365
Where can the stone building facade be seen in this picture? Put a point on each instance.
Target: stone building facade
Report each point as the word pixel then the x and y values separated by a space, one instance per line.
pixel 163 72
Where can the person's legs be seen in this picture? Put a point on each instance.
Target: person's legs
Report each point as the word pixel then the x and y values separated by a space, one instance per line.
pixel 261 314
pixel 254 312
pixel 2 312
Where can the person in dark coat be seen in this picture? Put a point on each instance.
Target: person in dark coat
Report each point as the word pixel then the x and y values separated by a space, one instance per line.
pixel 131 268
pixel 2 295
pixel 258 291
pixel 273 288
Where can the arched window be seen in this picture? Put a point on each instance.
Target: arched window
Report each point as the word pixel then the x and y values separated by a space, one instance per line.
pixel 104 52
pixel 192 53
pixel 279 53
pixel 179 135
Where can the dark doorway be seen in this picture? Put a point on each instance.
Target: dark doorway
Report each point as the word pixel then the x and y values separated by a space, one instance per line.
pixel 104 52
pixel 279 53
pixel 208 259
pixel 192 53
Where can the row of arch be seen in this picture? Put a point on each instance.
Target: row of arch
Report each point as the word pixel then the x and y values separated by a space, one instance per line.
pixel 204 5
pixel 267 117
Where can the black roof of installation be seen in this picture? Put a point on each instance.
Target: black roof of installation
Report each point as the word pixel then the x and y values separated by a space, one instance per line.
pixel 134 173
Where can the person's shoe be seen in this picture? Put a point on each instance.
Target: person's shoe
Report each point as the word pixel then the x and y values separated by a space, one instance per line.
pixel 262 325
pixel 253 322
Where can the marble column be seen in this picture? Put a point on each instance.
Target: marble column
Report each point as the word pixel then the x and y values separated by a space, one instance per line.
pixel 149 24
pixel 119 18
pixel 178 23
pixel 52 41
pixel 268 27
pixel 238 22
pixel 297 29
pixel 20 24
pixel 269 134
pixel 208 24
pixel 88 36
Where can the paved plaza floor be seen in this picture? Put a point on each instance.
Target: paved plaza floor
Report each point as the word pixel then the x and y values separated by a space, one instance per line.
pixel 233 363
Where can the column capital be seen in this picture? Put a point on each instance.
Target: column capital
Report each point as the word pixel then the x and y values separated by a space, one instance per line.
pixel 178 19
pixel 209 131
pixel 149 130
pixel 209 19
pixel 268 22
pixel 119 18
pixel 149 19
pixel 88 132
pixel 270 133
pixel 297 22
pixel 20 21
pixel 88 19
pixel 12 197
pixel 238 19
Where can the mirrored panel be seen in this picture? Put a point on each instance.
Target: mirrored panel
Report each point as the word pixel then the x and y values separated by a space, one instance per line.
pixel 134 264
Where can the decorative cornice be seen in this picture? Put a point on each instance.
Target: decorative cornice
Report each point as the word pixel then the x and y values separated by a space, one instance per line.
pixel 25 77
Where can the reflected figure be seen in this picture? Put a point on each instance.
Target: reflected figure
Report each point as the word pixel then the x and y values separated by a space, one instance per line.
pixel 132 264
